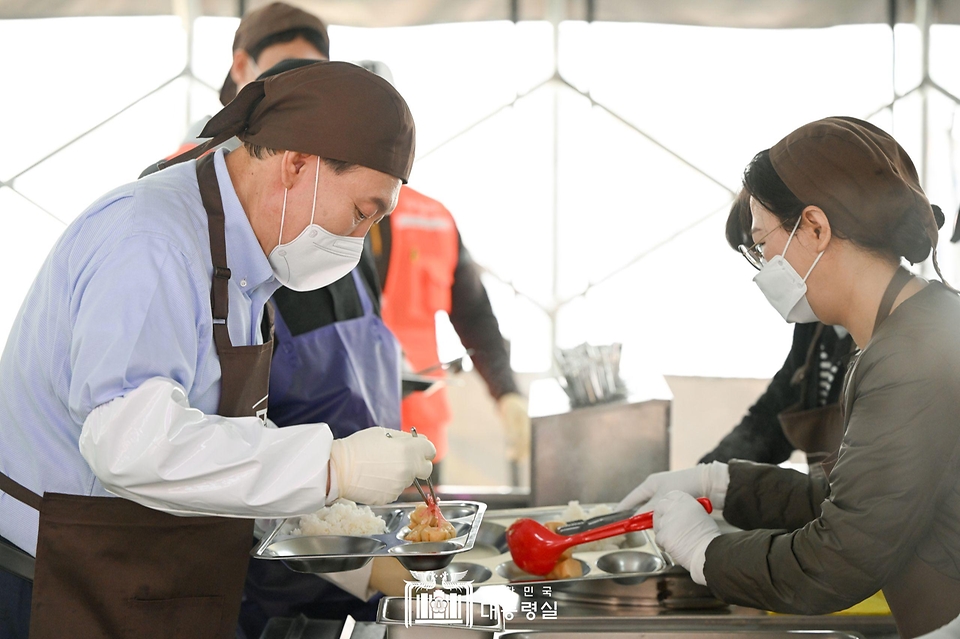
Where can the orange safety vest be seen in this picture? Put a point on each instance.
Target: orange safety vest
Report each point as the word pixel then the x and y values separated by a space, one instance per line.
pixel 424 250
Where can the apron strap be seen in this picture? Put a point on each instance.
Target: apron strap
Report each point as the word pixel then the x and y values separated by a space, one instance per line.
pixel 20 493
pixel 219 292
pixel 800 375
pixel 900 279
pixel 365 302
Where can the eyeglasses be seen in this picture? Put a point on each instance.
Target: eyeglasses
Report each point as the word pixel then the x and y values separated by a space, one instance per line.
pixel 754 253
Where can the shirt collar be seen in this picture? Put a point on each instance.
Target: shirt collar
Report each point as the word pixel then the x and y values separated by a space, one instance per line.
pixel 245 257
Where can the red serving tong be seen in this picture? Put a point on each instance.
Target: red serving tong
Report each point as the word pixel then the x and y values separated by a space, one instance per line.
pixel 536 549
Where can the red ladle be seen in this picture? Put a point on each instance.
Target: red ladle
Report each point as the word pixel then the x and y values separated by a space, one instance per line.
pixel 536 549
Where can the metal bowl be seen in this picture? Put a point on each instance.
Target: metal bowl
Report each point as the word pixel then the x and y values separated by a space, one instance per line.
pixel 457 512
pixel 431 555
pixel 460 528
pixel 476 573
pixel 493 536
pixel 392 519
pixel 630 561
pixel 292 550
pixel 509 570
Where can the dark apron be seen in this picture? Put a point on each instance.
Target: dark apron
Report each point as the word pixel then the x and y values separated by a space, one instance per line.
pixel 816 431
pixel 108 567
pixel 345 374
pixel 920 598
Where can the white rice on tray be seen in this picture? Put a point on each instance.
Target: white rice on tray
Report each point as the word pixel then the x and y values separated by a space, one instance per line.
pixel 343 517
pixel 574 511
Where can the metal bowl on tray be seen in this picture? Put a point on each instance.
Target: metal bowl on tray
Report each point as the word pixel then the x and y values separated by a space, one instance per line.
pixel 630 561
pixel 325 554
pixel 423 556
pixel 509 570
pixel 465 572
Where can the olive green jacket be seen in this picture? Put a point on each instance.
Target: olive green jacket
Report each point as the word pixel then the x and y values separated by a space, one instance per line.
pixel 890 516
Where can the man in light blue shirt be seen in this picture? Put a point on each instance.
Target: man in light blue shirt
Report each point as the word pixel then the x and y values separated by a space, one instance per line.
pixel 110 380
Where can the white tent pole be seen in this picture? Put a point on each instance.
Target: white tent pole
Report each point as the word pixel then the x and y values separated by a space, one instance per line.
pixel 188 10
pixel 923 23
pixel 98 125
pixel 555 11
pixel 893 8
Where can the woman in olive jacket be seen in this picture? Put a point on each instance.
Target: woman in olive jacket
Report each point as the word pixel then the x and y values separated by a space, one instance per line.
pixel 836 205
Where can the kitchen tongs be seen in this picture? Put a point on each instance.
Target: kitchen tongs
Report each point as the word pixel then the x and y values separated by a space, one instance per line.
pixel 416 482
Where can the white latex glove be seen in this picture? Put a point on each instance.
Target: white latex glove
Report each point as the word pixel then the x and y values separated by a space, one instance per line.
pixel 684 529
pixel 516 423
pixel 374 465
pixel 949 631
pixel 703 480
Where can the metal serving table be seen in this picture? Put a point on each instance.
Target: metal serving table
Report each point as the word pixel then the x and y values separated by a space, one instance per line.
pixel 633 622
pixel 697 634
pixel 582 617
pixel 578 617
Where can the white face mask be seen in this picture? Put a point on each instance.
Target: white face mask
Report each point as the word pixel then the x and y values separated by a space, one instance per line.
pixel 784 288
pixel 316 257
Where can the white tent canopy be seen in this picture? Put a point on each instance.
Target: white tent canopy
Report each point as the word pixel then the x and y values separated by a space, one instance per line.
pixel 394 13
pixel 589 150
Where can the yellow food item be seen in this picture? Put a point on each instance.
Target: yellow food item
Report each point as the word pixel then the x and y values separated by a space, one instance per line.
pixel 427 524
pixel 567 567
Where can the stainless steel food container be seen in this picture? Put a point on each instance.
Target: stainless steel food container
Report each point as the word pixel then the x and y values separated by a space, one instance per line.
pixel 596 453
pixel 705 634
pixel 336 553
pixel 490 563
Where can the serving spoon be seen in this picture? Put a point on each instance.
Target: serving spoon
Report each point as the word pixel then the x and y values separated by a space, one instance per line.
pixel 536 549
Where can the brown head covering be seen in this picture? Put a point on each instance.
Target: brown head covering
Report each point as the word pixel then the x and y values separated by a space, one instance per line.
pixel 335 110
pixel 856 173
pixel 259 24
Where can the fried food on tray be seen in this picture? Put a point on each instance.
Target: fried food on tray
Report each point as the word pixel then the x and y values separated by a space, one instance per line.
pixel 427 524
pixel 567 567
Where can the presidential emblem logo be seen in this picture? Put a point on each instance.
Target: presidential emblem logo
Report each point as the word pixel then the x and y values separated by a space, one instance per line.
pixel 447 603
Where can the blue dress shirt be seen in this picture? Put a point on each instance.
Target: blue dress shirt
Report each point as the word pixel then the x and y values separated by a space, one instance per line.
pixel 123 297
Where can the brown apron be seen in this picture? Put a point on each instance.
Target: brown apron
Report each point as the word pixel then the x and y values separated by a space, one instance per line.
pixel 108 567
pixel 816 431
pixel 920 598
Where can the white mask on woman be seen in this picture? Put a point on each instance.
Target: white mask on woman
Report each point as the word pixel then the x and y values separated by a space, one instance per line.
pixel 784 288
pixel 316 257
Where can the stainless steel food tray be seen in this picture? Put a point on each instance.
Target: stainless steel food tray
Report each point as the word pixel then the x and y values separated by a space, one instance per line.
pixel 336 553
pixel 489 563
pixel 699 634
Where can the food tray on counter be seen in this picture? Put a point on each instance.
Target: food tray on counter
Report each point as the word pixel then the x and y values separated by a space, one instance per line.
pixel 699 634
pixel 489 563
pixel 336 553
